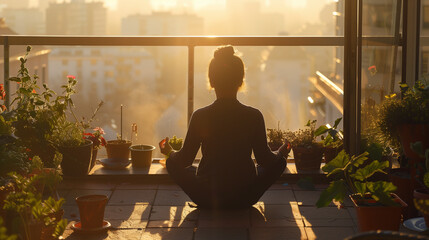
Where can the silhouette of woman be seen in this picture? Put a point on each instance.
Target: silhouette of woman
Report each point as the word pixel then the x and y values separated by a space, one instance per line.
pixel 227 132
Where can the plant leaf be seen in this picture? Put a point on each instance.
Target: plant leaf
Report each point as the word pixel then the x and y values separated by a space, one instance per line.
pixel 359 160
pixel 321 130
pixel 381 192
pixel 336 191
pixel 363 173
pixel 360 187
pixel 336 123
pixel 340 161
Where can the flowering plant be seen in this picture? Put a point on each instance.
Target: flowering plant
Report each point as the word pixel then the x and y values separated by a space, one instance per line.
pixel 96 137
pixel 2 96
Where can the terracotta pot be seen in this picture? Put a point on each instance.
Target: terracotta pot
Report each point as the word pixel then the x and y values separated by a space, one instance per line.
pixel 411 133
pixel 76 160
pixel 331 152
pixel 308 158
pixel 375 216
pixel 400 177
pixel 422 194
pixel 93 158
pixel 118 149
pixel 141 155
pixel 91 210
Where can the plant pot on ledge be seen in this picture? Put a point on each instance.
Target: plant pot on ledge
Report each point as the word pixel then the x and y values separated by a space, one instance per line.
pixel 308 158
pixel 118 149
pixel 76 160
pixel 141 155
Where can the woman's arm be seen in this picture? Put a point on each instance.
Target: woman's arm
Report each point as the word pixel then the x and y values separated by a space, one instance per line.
pixel 262 152
pixel 186 156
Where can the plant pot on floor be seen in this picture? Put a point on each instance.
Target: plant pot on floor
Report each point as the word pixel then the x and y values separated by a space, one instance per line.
pixel 421 201
pixel 76 160
pixel 373 216
pixel 308 158
pixel 411 133
pixel 91 210
pixel 400 177
pixel 141 155
pixel 118 149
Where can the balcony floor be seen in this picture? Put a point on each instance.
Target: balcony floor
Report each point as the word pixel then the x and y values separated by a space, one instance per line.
pixel 144 211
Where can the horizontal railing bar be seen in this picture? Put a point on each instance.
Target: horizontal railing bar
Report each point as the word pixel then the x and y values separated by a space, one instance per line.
pixel 173 41
pixel 191 40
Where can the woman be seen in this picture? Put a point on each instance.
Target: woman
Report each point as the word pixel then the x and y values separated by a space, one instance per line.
pixel 227 132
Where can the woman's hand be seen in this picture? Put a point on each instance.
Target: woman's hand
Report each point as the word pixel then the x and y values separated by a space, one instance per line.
pixel 285 149
pixel 165 147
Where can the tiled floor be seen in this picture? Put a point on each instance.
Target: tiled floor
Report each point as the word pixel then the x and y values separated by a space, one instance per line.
pixel 161 211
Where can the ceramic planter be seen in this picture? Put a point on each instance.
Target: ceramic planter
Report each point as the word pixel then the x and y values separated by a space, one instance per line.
pixel 118 149
pixel 331 152
pixel 308 158
pixel 400 177
pixel 91 210
pixel 373 216
pixel 76 160
pixel 411 133
pixel 422 194
pixel 141 155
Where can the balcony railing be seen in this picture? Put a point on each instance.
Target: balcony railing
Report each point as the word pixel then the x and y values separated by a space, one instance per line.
pixel 190 42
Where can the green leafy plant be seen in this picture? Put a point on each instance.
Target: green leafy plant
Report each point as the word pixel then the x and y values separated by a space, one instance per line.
pixel 303 137
pixel 37 112
pixel 422 204
pixel 334 137
pixel 412 108
pixel 176 143
pixel 351 178
pixel 28 204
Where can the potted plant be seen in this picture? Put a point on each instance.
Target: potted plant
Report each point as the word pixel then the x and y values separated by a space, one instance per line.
pixel 333 141
pixel 76 150
pixel 35 115
pixel 377 207
pixel 34 213
pixel 406 120
pixel 98 141
pixel 421 194
pixel 141 155
pixel 275 137
pixel 307 152
pixel 176 144
pixel 118 149
pixel 91 211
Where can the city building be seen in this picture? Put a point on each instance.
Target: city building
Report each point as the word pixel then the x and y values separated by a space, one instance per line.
pixel 76 17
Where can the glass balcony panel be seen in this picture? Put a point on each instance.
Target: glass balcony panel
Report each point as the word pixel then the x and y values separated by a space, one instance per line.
pixel 150 83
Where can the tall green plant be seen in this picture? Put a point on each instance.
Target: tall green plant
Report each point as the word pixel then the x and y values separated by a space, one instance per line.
pixel 351 178
pixel 37 112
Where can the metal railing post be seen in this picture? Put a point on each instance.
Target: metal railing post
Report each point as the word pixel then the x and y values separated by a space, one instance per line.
pixel 191 64
pixel 350 77
pixel 6 72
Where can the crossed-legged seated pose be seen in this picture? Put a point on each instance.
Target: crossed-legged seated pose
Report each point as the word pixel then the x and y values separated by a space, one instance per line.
pixel 227 132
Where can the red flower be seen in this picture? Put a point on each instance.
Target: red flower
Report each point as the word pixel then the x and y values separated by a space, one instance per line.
pixel 372 67
pixel 34 91
pixel 71 76
pixel 96 137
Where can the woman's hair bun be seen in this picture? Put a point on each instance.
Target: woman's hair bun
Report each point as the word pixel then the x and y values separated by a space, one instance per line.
pixel 224 52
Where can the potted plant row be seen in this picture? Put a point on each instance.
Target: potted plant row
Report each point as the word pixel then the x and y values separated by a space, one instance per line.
pixel 307 151
pixel 377 207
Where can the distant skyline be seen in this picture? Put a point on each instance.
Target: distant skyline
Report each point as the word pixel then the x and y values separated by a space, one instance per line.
pixel 166 4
